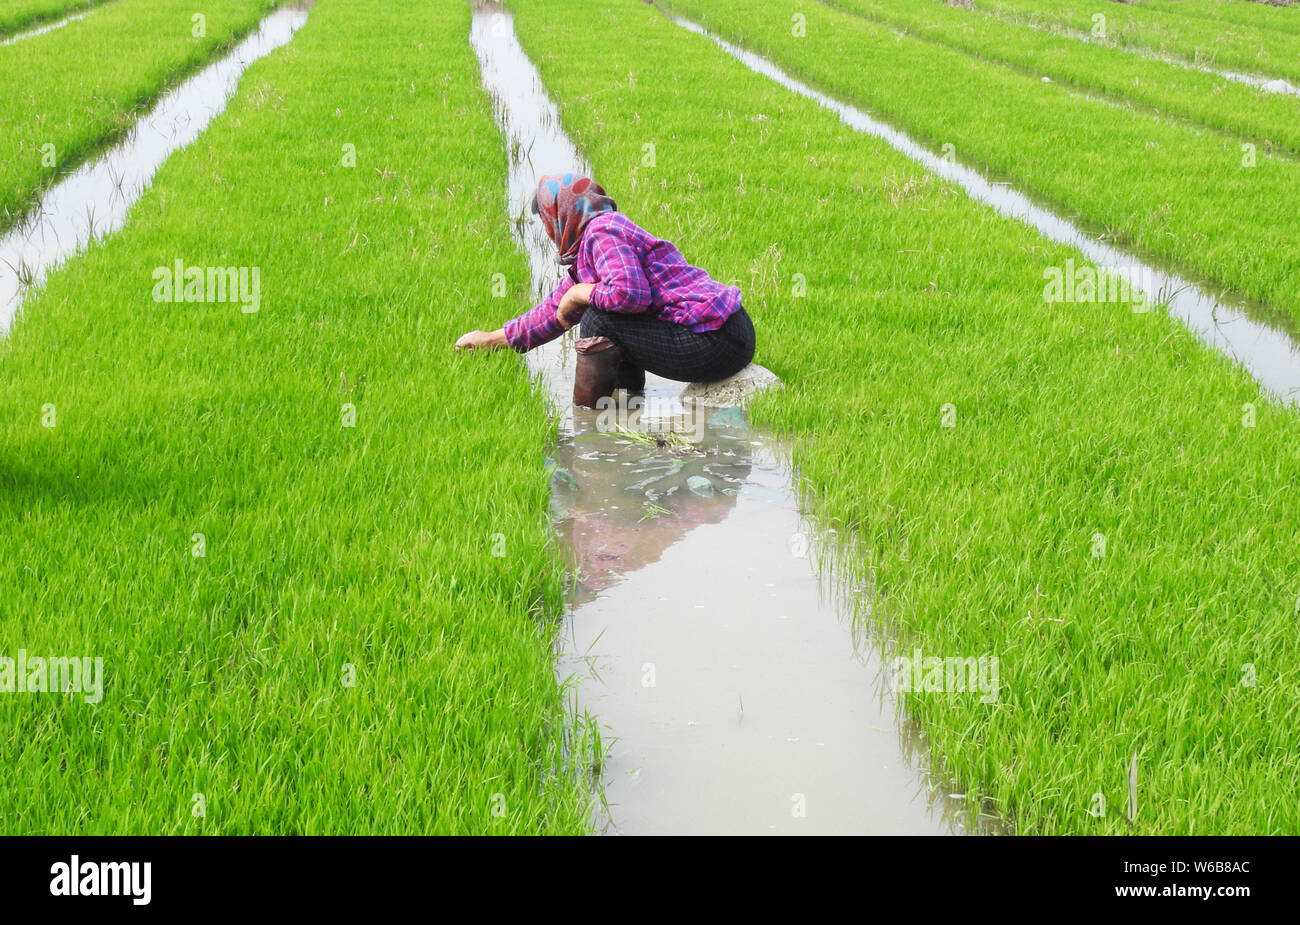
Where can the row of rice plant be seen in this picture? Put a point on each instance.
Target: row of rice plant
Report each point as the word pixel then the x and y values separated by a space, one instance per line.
pixel 19 15
pixel 309 542
pixel 67 93
pixel 1271 48
pixel 1262 14
pixel 1270 120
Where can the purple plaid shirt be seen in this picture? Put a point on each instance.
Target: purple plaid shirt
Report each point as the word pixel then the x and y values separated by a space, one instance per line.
pixel 633 272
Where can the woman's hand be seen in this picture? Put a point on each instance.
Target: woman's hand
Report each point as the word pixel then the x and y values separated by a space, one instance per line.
pixel 573 304
pixel 483 340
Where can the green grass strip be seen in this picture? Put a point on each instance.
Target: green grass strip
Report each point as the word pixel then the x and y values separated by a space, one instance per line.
pixel 1271 120
pixel 19 15
pixel 65 94
pixel 881 295
pixel 1192 198
pixel 1243 12
pixel 350 654
pixel 1225 45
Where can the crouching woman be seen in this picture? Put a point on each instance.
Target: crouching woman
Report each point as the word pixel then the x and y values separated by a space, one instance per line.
pixel 642 307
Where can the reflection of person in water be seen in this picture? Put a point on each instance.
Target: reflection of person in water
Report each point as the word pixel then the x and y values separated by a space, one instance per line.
pixel 642 306
pixel 635 502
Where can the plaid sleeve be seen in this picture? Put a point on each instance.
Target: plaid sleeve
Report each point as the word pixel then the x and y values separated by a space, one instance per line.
pixel 538 325
pixel 621 284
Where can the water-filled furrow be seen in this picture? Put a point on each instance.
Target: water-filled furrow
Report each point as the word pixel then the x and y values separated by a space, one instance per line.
pixel 732 692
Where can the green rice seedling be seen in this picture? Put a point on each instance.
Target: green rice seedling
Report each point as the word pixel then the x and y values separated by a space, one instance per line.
pixel 20 15
pixel 310 543
pixel 1255 49
pixel 1270 120
pixel 671 440
pixel 68 93
pixel 1084 491
pixel 653 510
pixel 1206 204
pixel 1243 12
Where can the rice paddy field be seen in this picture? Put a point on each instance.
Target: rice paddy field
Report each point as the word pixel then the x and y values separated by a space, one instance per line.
pixel 19 15
pixel 1226 33
pixel 323 556
pixel 72 91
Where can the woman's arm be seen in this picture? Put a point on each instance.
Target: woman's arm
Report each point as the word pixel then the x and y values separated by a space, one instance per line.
pixel 531 329
pixel 574 304
pixel 483 340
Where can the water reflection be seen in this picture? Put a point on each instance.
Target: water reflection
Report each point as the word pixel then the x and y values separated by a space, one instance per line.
pixel 625 495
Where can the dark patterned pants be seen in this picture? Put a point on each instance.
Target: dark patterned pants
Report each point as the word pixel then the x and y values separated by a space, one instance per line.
pixel 673 350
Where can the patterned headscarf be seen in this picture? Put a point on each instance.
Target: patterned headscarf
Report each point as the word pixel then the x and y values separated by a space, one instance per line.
pixel 566 203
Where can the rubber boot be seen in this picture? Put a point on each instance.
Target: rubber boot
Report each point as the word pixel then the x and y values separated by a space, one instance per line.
pixel 631 377
pixel 596 374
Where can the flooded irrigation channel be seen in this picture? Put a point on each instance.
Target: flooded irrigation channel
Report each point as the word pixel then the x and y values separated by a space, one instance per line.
pixel 93 200
pixel 732 689
pixel 1268 353
pixel 48 27
pixel 1258 81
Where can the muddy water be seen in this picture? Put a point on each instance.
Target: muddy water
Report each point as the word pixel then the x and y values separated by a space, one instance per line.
pixel 1269 353
pixel 731 690
pixel 93 200
pixel 41 30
